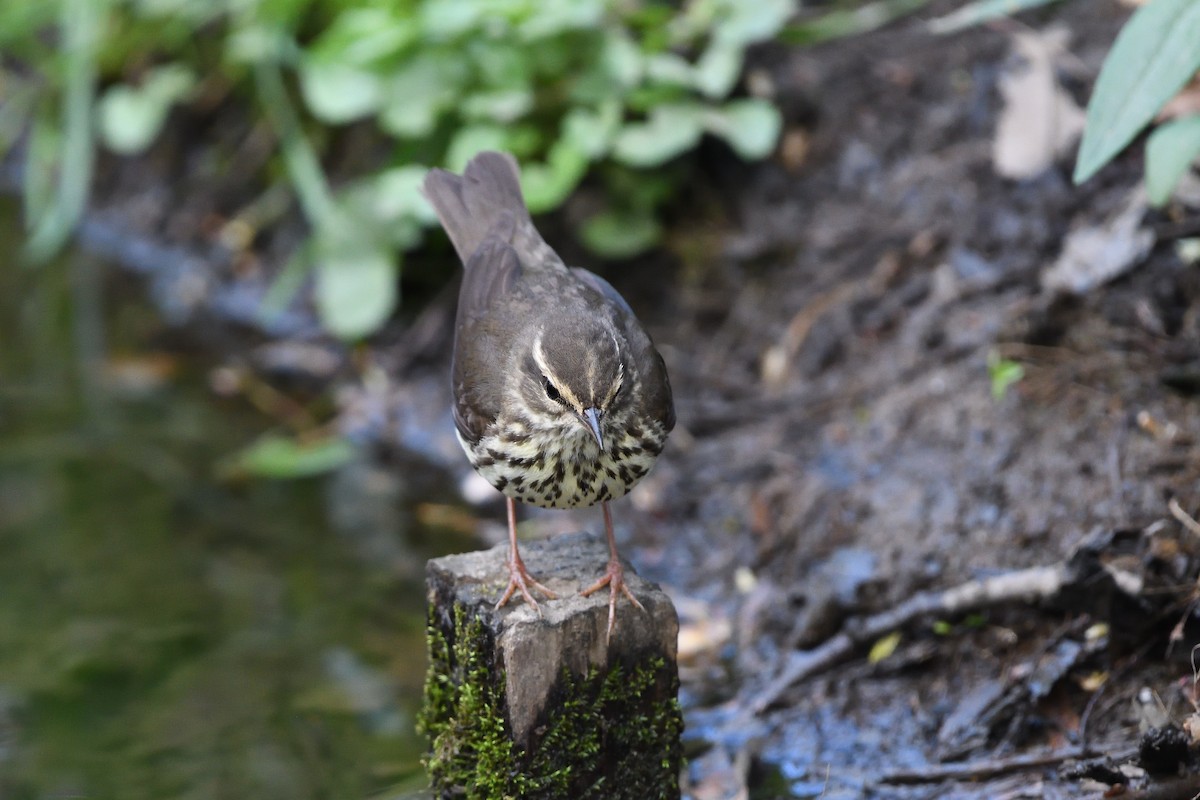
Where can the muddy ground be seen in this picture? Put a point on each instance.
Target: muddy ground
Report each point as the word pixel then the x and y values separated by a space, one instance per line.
pixel 828 318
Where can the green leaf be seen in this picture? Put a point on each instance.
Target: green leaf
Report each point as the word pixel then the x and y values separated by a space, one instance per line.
pixel 670 130
pixel 418 91
pixel 446 19
pixel 276 456
pixel 555 17
pixel 718 69
pixel 1003 374
pixel 615 234
pixel 386 209
pixel 669 68
pixel 1170 151
pixel 505 105
pixel 884 648
pixel 622 59
pixel 843 22
pixel 750 125
pixel 981 11
pixel 364 37
pixel 399 194
pixel 338 93
pixel 471 141
pixel 748 22
pixel 546 185
pixel 132 117
pixel 1155 54
pixel 592 132
pixel 355 286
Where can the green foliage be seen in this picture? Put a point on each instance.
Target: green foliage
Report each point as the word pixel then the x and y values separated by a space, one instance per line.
pixel 1003 374
pixel 275 456
pixel 1170 150
pixel 981 11
pixel 1152 58
pixel 569 86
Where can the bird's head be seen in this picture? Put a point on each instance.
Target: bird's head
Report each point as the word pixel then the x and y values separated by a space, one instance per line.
pixel 575 376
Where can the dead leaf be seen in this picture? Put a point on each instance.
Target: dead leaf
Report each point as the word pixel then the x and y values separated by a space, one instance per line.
pixel 1097 254
pixel 1039 121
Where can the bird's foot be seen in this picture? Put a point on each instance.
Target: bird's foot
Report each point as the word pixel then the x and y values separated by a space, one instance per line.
pixel 519 580
pixel 614 579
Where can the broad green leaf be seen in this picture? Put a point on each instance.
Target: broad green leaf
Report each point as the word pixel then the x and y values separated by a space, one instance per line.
pixel 669 68
pixel 338 93
pixel 1155 54
pixel 383 209
pixel 419 91
pixel 554 17
pixel 131 117
pixel 614 234
pixel 1170 151
pixel 546 185
pixel 276 456
pixel 718 69
pixel 670 130
pixel 499 106
pixel 255 44
pixel 735 22
pixel 750 22
pixel 399 194
pixel 622 58
pixel 129 120
pixel 470 141
pixel 364 37
pixel 500 63
pixel 591 132
pixel 355 288
pixel 751 126
pixel 445 19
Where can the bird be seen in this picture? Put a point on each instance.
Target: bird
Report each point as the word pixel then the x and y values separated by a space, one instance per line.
pixel 559 397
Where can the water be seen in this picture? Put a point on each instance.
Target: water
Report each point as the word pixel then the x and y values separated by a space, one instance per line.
pixel 163 633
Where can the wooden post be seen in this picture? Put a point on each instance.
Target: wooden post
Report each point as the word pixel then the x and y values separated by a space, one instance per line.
pixel 518 706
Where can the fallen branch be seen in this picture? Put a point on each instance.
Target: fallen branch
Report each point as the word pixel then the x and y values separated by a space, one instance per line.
pixel 985 768
pixel 1027 585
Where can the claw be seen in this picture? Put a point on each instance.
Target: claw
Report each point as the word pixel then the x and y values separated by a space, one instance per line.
pixel 614 579
pixel 519 578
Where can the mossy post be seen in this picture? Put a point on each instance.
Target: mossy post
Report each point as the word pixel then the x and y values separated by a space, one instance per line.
pixel 521 706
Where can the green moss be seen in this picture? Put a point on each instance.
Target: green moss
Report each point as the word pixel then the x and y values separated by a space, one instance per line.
pixel 602 726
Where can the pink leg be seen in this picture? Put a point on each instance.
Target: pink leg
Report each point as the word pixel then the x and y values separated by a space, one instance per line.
pixel 614 575
pixel 519 578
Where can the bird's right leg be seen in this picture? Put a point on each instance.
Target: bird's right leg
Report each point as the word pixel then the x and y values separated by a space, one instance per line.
pixel 519 578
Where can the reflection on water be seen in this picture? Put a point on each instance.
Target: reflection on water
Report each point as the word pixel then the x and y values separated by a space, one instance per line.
pixel 163 634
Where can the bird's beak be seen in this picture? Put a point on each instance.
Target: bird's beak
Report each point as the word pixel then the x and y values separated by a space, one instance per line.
pixel 592 417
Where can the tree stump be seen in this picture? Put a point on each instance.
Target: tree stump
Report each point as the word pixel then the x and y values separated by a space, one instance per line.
pixel 522 706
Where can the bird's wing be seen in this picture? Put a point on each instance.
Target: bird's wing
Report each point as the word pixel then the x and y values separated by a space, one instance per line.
pixel 490 274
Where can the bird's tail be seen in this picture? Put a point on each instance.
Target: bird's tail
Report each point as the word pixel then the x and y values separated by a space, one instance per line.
pixel 472 204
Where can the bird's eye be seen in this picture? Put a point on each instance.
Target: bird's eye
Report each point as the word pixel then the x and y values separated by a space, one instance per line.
pixel 551 392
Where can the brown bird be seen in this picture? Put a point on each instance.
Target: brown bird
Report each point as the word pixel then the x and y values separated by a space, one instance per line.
pixel 560 399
